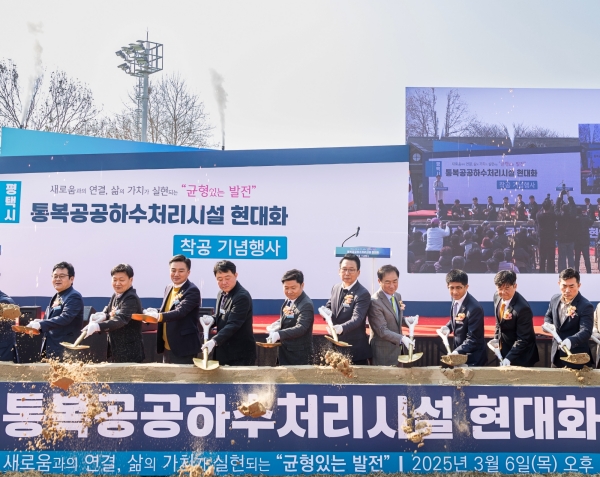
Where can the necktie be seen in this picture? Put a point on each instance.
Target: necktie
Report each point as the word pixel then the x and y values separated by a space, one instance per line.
pixel 395 307
pixel 562 312
pixel 455 309
pixel 502 307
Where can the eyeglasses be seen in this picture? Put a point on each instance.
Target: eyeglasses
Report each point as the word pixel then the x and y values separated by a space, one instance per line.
pixel 60 277
pixel 348 270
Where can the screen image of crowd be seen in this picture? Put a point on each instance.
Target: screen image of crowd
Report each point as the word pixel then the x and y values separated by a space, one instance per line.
pixel 525 237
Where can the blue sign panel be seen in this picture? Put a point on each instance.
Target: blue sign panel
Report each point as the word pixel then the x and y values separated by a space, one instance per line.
pixel 154 429
pixel 364 252
pixel 10 202
pixel 433 168
pixel 519 185
pixel 220 247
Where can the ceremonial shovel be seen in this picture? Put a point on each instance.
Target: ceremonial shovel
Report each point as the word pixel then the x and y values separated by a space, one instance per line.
pixel 25 329
pixel 577 358
pixel 325 313
pixel 595 339
pixel 451 359
pixel 144 318
pixel 496 351
pixel 76 345
pixel 206 322
pixel 411 321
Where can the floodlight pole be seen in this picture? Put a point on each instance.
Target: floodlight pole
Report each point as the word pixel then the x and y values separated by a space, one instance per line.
pixel 145 109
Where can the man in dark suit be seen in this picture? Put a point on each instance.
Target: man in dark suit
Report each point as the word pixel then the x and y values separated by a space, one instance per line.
pixel 64 316
pixel 234 343
pixel 125 343
pixel 295 325
pixel 8 342
pixel 532 208
pixel 514 333
pixel 572 316
pixel 349 305
pixel 489 212
pixel 546 219
pixel 178 334
pixel 385 319
pixel 475 210
pixel 466 320
pixel 590 210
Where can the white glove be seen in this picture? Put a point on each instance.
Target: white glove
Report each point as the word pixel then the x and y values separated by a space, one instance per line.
pixel 153 312
pixel 495 343
pixel 567 343
pixel 338 329
pixel 324 312
pixel 505 362
pixel 34 324
pixel 596 335
pixel 209 345
pixel 595 330
pixel 445 330
pixel 98 317
pixel 92 328
pixel 275 326
pixel 454 352
pixel 406 341
pixel 273 337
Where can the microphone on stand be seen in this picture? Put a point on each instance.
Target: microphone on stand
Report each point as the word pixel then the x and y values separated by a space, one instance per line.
pixel 353 235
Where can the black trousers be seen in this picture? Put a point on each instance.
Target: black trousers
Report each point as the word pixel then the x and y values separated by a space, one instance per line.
pixel 547 254
pixel 171 358
pixel 585 251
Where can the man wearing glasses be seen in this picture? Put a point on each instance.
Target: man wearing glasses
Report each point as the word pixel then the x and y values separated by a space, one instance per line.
pixel 349 304
pixel 64 316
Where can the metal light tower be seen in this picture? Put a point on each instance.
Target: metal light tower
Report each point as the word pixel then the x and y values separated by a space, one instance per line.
pixel 141 60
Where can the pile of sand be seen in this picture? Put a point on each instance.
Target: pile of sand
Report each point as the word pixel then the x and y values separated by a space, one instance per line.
pixel 77 380
pixel 9 312
pixel 339 362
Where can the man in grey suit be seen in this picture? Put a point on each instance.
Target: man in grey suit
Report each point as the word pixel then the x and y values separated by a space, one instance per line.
pixel 385 319
pixel 295 325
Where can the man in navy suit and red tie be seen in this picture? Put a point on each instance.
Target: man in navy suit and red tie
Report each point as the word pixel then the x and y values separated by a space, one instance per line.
pixel 466 320
pixel 178 335
pixel 349 305
pixel 572 316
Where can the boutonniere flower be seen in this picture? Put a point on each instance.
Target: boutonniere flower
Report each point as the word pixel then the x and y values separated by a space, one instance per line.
pixel 402 305
pixel 177 298
pixel 460 317
pixel 115 311
pixel 287 311
pixel 348 299
pixel 571 311
pixel 57 302
pixel 507 315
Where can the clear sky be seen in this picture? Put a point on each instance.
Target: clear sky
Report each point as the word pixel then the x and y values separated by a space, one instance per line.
pixel 314 73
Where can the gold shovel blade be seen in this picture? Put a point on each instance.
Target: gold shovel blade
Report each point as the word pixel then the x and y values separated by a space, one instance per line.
pixel 144 318
pixel 343 344
pixel 268 345
pixel 578 358
pixel 404 358
pixel 25 329
pixel 209 366
pixel 63 383
pixel 73 347
pixel 454 359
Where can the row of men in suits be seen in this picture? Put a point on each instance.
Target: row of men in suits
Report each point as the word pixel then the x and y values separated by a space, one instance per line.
pixel 178 336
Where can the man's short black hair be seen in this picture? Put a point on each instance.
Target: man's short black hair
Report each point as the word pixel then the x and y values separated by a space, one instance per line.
pixel 532 197
pixel 182 258
pixel 122 267
pixel 569 273
pixel 490 197
pixel 383 271
pixel 67 265
pixel 457 276
pixel 294 274
pixel 505 277
pixel 353 258
pixel 224 266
